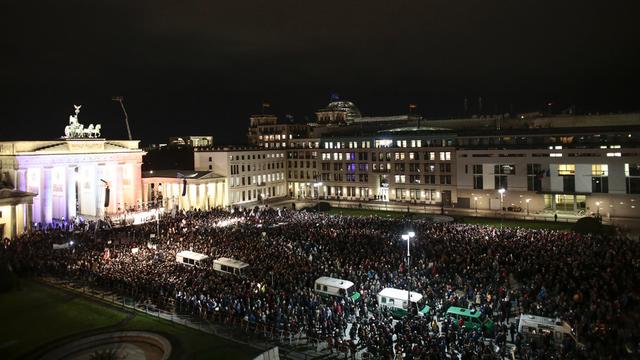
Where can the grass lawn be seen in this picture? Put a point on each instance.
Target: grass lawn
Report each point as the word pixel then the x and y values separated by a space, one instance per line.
pixel 36 315
pixel 192 344
pixel 528 224
pixel 368 212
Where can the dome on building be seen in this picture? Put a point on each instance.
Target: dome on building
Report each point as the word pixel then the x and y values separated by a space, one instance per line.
pixel 348 107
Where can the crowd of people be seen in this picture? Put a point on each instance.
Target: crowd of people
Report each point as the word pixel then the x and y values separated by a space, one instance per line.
pixel 591 282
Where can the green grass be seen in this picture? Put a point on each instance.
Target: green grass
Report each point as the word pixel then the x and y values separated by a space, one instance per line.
pixel 528 224
pixel 37 315
pixel 368 212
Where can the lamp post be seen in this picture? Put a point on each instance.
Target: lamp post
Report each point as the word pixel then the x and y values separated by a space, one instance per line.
pixel 501 191
pixel 475 198
pixel 597 209
pixel 407 237
pixel 528 200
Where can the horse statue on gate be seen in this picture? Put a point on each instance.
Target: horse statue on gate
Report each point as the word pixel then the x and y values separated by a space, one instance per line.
pixel 77 130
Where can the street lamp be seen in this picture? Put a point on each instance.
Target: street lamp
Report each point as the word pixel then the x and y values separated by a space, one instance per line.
pixel 528 200
pixel 407 237
pixel 597 209
pixel 475 198
pixel 501 191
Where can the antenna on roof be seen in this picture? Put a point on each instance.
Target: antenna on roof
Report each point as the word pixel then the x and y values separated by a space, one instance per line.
pixel 120 99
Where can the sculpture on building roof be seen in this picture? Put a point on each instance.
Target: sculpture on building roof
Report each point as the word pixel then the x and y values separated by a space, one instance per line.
pixel 76 130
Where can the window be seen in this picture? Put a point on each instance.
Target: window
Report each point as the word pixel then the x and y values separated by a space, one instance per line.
pixel 445 155
pixel 569 184
pixel 501 182
pixel 600 170
pixel 566 169
pixel 477 181
pixel 632 177
pixel 600 184
pixel 477 169
pixel 445 179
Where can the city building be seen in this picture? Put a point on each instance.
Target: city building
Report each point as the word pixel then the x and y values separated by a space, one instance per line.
pixel 544 164
pixel 266 132
pixel 79 174
pixel 251 174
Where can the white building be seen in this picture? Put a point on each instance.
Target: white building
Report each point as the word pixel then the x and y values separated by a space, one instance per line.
pixel 251 174
pixel 70 175
pixel 184 189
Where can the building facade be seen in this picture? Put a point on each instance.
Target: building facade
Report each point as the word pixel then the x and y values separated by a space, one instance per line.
pixel 573 164
pixel 184 189
pixel 250 174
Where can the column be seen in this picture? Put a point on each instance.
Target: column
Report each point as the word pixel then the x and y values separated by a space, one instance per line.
pixel 13 231
pixel 21 184
pixel 29 216
pixel 21 179
pixel 47 196
pixel 119 188
pixel 136 182
pixel 71 192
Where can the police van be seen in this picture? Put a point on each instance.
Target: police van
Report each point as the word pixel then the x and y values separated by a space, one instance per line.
pixel 472 319
pixel 191 258
pixel 396 301
pixel 535 328
pixel 229 266
pixel 325 285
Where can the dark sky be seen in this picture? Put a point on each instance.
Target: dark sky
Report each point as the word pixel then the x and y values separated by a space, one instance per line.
pixel 201 67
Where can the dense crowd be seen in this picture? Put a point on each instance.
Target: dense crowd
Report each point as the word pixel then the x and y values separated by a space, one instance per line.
pixel 591 282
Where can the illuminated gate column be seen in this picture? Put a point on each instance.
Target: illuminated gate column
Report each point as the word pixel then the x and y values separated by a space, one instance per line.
pixel 21 179
pixel 136 182
pixel 71 192
pixel 13 224
pixel 119 189
pixel 29 216
pixel 47 196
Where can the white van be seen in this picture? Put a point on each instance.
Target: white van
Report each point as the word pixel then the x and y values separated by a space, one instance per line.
pixel 535 328
pixel 336 287
pixel 191 258
pixel 396 301
pixel 230 266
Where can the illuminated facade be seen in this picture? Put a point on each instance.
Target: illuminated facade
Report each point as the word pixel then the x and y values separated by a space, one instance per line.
pixel 184 189
pixel 70 176
pixel 250 174
pixel 570 164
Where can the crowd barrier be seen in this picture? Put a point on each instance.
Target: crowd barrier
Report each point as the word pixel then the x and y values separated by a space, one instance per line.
pixel 292 344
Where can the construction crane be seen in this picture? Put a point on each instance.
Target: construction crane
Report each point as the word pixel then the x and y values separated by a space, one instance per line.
pixel 120 99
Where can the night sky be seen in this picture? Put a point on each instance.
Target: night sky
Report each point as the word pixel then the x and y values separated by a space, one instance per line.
pixel 202 67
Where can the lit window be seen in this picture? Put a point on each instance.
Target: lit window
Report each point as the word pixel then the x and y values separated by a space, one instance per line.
pixel 600 170
pixel 566 169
